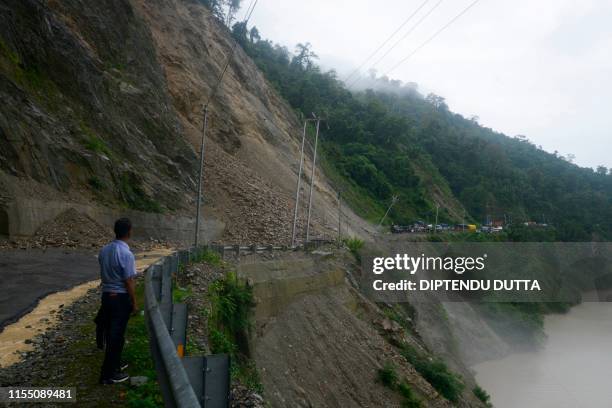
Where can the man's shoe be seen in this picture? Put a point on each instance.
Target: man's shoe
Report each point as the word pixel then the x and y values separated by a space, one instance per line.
pixel 123 366
pixel 115 379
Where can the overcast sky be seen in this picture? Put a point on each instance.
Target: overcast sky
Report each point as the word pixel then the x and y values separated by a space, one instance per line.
pixel 541 68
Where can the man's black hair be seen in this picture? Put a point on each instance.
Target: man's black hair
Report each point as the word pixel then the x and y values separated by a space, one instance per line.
pixel 122 227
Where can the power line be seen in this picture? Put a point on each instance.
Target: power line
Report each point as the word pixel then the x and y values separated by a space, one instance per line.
pixel 248 14
pixel 245 21
pixel 465 10
pixel 386 41
pixel 414 27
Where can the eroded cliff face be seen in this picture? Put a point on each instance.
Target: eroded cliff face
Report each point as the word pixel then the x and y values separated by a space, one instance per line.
pixel 102 103
pixel 85 108
pixel 252 148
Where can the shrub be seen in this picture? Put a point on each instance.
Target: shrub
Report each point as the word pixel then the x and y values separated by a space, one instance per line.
pixel 231 301
pixel 208 256
pixel 410 400
pixel 96 183
pixel 354 245
pixel 482 395
pixel 389 378
pixel 435 372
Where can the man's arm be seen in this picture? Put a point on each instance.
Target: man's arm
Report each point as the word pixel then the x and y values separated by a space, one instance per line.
pixel 130 285
pixel 130 279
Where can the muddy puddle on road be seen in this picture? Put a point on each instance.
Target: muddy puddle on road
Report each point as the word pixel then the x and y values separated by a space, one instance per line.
pixel 15 338
pixel 573 369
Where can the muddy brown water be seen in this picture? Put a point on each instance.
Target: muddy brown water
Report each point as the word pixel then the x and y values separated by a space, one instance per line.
pixel 573 369
pixel 44 315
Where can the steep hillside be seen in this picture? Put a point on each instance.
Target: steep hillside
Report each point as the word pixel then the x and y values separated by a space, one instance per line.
pixel 85 108
pixel 399 142
pixel 252 146
pixel 104 107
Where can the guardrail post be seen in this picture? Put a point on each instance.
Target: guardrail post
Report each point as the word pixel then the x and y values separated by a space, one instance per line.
pixel 210 378
pixel 156 279
pixel 166 291
pixel 178 330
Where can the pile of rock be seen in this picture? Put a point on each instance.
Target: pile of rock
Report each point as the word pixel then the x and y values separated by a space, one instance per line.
pixel 243 397
pixel 73 229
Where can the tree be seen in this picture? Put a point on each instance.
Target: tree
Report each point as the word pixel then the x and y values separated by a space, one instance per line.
pixel 232 8
pixel 437 102
pixel 239 31
pixel 216 7
pixel 254 35
pixel 304 56
pixel 601 170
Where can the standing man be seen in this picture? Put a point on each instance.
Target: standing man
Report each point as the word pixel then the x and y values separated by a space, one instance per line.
pixel 117 272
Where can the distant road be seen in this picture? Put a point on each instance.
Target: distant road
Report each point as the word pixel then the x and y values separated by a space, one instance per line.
pixel 29 275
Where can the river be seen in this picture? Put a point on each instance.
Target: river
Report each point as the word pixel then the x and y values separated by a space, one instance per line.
pixel 573 369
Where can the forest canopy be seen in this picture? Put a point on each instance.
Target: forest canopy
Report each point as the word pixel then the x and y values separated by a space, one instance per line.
pixel 399 142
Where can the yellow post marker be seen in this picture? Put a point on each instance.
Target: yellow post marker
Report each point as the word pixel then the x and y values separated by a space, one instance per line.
pixel 180 350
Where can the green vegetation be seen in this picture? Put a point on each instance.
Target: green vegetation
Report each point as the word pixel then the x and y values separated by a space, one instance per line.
pixel 207 256
pixel 180 294
pixel 81 363
pixel 388 377
pixel 229 323
pixel 93 142
pixel 354 245
pixel 137 353
pixel 483 396
pixel 401 142
pixel 135 197
pixel 30 77
pixel 96 183
pixel 8 53
pixel 435 372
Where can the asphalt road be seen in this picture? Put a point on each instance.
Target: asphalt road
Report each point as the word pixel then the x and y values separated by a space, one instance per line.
pixel 29 275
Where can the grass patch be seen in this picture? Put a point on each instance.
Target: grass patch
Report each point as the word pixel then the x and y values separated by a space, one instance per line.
pixel 354 245
pixel 388 377
pixel 207 256
pixel 81 364
pixel 10 55
pixel 436 372
pixel 93 142
pixel 137 354
pixel 483 396
pixel 229 324
pixel 179 295
pixel 135 197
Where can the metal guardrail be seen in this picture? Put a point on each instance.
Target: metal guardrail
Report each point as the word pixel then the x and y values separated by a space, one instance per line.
pixel 185 382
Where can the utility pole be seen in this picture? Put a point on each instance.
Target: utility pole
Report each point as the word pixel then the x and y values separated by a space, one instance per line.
pixel 199 205
pixel 339 218
pixel 436 224
pixel 394 200
pixel 312 180
pixel 249 12
pixel 299 180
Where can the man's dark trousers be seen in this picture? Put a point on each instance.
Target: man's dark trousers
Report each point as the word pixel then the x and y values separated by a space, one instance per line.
pixel 116 309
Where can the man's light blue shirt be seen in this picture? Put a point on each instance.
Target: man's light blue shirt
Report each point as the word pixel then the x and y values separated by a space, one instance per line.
pixel 117 264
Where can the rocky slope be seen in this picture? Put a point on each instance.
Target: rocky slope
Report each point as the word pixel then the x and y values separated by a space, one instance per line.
pixel 104 105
